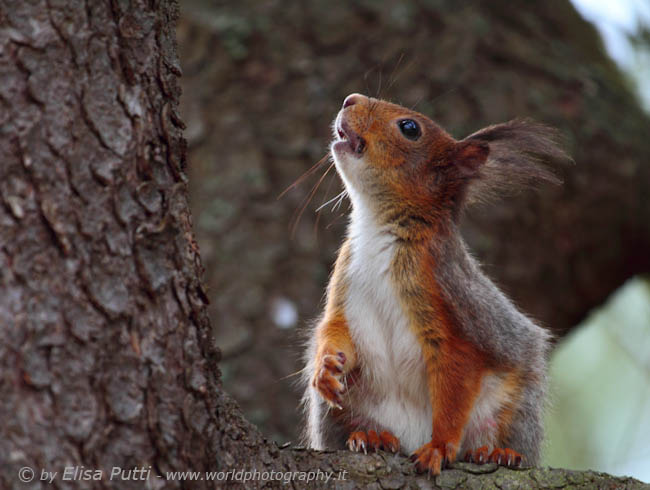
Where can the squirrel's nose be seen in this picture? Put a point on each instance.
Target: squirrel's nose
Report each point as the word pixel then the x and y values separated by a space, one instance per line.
pixel 352 99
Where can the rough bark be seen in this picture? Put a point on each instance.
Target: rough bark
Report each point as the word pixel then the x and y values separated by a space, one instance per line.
pixel 105 356
pixel 106 351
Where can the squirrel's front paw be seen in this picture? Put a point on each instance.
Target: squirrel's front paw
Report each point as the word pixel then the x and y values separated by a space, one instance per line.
pixel 434 456
pixel 328 378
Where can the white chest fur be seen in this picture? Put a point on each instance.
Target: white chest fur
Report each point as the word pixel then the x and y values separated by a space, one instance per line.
pixel 392 393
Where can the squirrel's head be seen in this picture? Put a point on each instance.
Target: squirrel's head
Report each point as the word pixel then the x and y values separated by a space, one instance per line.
pixel 408 170
pixel 400 162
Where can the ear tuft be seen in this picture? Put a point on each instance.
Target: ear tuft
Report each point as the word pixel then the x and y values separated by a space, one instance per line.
pixel 470 156
pixel 523 153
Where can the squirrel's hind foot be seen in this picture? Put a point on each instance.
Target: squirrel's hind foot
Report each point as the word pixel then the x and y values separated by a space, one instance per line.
pixel 371 441
pixel 501 456
pixel 433 456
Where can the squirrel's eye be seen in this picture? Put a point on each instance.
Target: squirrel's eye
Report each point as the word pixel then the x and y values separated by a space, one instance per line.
pixel 409 128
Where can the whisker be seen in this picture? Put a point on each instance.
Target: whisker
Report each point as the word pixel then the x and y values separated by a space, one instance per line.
pixel 392 78
pixel 379 87
pixel 318 211
pixel 343 195
pixel 292 374
pixel 419 99
pixel 445 93
pixel 333 222
pixel 309 172
pixel 399 74
pixel 303 205
pixel 365 79
pixel 338 196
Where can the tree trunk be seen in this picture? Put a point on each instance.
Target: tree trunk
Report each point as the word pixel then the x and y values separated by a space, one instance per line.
pixel 106 352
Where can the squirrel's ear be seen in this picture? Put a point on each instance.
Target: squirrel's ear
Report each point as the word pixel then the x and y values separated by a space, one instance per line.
pixel 470 156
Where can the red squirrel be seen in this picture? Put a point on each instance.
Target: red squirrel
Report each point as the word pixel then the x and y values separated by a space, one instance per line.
pixel 417 350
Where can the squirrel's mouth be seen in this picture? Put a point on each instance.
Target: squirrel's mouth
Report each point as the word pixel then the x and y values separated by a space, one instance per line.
pixel 349 138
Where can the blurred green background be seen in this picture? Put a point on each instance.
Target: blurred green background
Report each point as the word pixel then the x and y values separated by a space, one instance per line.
pixel 600 389
pixel 262 82
pixel 600 374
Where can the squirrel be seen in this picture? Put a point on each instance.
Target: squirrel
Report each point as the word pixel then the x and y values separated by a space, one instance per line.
pixel 417 351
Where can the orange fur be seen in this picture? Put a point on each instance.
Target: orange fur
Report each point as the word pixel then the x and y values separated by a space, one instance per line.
pixel 413 189
pixel 455 367
pixel 335 353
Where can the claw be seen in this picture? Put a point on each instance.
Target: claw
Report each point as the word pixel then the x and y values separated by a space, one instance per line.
pixel 389 442
pixel 374 443
pixel 503 457
pixel 371 441
pixel 328 380
pixel 434 456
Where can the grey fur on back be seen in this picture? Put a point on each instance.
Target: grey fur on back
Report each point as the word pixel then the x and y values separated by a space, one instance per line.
pixel 490 320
